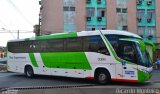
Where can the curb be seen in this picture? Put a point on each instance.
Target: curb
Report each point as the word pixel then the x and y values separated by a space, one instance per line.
pixel 156 81
pixel 45 87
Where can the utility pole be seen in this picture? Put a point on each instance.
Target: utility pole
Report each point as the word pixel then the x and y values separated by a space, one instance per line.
pixel 39 25
pixel 18 34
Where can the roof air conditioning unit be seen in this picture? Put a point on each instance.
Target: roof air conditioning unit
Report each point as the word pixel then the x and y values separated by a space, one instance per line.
pixel 88 18
pixel 149 2
pixel 99 1
pixel 99 18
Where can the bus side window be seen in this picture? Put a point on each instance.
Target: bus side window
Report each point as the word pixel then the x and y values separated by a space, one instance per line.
pixel 74 45
pixel 95 44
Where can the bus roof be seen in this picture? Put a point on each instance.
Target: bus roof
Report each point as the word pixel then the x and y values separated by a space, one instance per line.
pixel 108 32
pixel 82 33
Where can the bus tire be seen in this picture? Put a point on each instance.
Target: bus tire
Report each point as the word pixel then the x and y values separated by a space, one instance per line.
pixel 29 72
pixel 102 76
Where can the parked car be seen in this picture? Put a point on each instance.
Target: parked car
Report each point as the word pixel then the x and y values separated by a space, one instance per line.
pixel 3 60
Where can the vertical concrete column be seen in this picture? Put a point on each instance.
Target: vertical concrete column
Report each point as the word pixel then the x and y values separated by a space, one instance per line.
pixel 81 15
pixel 157 20
pixel 111 14
pixel 52 16
pixel 132 17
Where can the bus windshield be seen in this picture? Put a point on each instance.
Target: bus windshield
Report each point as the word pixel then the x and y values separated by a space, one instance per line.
pixel 144 57
pixel 132 52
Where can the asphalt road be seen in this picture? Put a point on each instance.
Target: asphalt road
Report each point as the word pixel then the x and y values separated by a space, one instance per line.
pixel 8 80
pixel 16 80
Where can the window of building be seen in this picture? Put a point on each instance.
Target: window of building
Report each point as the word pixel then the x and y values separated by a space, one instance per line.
pixel 89 28
pixel 118 10
pixel 101 12
pixel 150 15
pixel 125 28
pixel 124 10
pixel 122 3
pixel 121 10
pixel 90 12
pixel 151 30
pixel 69 17
pixel 67 8
pixel 140 15
pixel 72 8
pixel 141 30
pixel 101 27
pixel 69 2
pixel 93 29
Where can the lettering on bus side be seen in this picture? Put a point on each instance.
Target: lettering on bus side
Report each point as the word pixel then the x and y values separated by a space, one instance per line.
pixel 101 59
pixel 10 57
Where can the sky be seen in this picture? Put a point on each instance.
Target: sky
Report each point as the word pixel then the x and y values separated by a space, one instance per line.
pixel 17 15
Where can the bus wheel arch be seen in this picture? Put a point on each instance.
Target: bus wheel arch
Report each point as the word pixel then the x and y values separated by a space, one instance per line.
pixel 29 72
pixel 102 75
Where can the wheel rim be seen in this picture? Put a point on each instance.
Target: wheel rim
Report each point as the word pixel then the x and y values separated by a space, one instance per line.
pixel 29 72
pixel 102 77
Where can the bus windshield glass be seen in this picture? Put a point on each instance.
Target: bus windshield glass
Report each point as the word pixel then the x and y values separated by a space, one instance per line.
pixel 144 57
pixel 130 51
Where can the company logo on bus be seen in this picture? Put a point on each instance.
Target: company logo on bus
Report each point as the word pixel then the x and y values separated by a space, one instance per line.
pixel 129 72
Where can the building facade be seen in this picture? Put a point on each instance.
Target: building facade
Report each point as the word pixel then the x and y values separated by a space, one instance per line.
pixel 138 16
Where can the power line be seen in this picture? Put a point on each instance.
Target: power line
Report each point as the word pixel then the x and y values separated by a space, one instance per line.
pixel 15 31
pixel 3 24
pixel 15 7
pixel 8 32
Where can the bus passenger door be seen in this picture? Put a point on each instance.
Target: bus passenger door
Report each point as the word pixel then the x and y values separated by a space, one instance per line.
pixel 127 53
pixel 129 72
pixel 126 72
pixel 119 73
pixel 129 65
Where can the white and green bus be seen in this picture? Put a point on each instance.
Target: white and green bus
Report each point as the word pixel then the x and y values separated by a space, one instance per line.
pixel 106 55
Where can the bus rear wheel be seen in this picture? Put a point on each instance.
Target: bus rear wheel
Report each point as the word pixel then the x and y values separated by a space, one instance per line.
pixel 102 77
pixel 29 71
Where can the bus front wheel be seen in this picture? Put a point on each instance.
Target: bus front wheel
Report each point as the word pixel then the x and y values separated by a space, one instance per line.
pixel 102 77
pixel 29 71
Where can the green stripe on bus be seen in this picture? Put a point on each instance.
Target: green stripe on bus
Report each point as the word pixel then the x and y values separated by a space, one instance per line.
pixel 56 36
pixel 110 47
pixel 67 60
pixel 142 76
pixel 33 59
